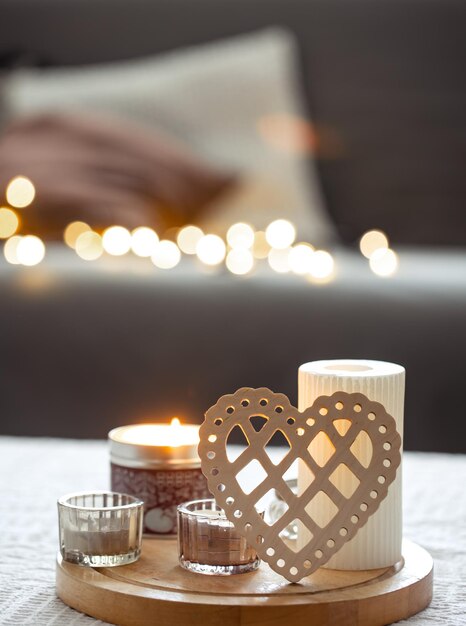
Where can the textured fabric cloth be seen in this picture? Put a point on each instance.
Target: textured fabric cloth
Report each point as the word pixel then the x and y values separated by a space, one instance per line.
pixel 35 472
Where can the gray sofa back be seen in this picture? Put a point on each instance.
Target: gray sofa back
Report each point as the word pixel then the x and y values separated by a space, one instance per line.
pixel 85 348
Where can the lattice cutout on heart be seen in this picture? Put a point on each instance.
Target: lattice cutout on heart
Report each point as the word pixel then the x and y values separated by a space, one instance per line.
pixel 341 418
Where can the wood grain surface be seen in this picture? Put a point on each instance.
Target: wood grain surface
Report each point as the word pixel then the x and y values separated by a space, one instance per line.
pixel 156 590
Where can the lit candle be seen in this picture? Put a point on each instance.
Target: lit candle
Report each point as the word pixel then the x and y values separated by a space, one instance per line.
pixel 159 464
pixel 208 542
pixel 101 529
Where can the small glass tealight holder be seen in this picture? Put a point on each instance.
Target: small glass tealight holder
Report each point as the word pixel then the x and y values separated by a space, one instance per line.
pixel 208 542
pixel 101 529
pixel 277 507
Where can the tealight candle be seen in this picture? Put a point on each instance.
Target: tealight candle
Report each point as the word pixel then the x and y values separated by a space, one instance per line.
pixel 208 542
pixel 100 528
pixel 159 464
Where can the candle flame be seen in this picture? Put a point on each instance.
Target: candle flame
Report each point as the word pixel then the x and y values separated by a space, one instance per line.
pixel 173 434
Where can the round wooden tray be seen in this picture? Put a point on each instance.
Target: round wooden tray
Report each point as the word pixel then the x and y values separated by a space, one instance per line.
pixel 156 590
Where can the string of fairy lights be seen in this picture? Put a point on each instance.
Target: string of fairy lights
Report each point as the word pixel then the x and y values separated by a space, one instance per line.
pixel 240 252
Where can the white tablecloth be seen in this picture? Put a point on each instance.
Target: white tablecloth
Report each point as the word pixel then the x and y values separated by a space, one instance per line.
pixel 34 472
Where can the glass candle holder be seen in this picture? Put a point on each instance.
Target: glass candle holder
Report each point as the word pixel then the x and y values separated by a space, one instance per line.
pixel 277 507
pixel 100 529
pixel 208 542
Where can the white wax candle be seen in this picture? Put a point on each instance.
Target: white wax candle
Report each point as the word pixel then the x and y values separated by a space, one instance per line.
pixel 378 543
pixel 174 434
pixel 155 444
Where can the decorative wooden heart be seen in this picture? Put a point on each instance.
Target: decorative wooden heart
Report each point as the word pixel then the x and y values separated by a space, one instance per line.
pixel 340 418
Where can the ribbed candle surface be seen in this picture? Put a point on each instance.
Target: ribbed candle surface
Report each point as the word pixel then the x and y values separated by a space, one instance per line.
pixel 378 543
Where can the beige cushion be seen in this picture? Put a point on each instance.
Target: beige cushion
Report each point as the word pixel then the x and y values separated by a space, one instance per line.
pixel 214 97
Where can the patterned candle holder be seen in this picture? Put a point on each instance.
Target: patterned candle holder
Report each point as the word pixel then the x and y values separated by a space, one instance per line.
pixel 159 464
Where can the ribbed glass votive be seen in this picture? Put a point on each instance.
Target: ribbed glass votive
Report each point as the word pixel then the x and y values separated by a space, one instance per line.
pixel 208 542
pixel 101 529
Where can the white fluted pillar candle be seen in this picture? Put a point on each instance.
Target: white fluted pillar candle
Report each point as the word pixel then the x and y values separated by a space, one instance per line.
pixel 378 543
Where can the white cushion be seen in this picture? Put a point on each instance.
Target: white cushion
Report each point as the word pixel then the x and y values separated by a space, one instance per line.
pixel 212 97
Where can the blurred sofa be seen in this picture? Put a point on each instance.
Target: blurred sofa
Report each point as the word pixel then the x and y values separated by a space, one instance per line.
pixel 84 348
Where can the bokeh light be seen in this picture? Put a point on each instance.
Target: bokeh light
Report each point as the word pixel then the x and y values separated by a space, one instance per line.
pixel 300 258
pixel 188 238
pixel 89 246
pixel 72 232
pixel 30 250
pixel 280 234
pixel 278 260
pixel 260 248
pixel 9 222
pixel 144 241
pixel 384 262
pixel 166 255
pixel 240 261
pixel 116 240
pixel 211 249
pixel 240 235
pixel 371 241
pixel 20 192
pixel 322 265
pixel 10 249
pixel 287 133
